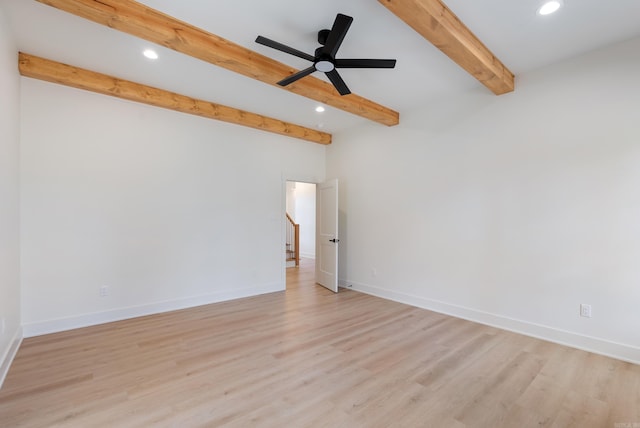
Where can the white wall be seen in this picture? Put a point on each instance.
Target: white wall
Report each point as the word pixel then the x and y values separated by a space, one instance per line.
pixel 305 202
pixel 291 198
pixel 10 331
pixel 167 210
pixel 509 210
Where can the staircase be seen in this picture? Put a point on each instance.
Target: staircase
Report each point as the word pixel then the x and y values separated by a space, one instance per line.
pixel 292 250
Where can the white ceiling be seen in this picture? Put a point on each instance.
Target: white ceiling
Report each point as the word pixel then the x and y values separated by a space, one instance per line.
pixel 511 29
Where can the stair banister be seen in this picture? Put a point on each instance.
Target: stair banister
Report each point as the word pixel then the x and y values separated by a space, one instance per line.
pixel 293 240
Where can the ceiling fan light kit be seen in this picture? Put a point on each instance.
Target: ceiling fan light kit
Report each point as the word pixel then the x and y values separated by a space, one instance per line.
pixel 324 58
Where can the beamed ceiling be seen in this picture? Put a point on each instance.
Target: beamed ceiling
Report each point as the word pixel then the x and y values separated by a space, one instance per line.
pixel 210 66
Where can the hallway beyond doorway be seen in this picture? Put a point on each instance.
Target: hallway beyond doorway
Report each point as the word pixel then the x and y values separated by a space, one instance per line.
pixel 302 276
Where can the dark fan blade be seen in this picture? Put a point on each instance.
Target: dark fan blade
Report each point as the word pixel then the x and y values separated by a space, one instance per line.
pixel 338 82
pixel 297 76
pixel 336 36
pixel 284 48
pixel 365 63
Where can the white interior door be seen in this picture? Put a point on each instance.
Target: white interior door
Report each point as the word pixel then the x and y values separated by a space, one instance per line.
pixel 327 235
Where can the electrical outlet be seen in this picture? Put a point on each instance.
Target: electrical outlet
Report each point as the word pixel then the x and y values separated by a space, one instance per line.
pixel 374 272
pixel 585 310
pixel 104 291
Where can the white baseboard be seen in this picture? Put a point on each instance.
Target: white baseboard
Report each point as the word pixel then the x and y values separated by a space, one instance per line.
pixel 10 354
pixel 85 320
pixel 308 255
pixel 596 345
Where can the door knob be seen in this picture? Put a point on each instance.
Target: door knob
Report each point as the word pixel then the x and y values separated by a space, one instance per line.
pixel 334 240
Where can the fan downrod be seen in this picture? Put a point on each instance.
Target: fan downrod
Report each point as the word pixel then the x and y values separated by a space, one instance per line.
pixel 322 36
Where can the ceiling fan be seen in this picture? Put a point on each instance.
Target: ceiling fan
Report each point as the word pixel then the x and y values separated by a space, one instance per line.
pixel 324 59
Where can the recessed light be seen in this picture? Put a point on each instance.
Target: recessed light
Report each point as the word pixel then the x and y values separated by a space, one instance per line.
pixel 549 7
pixel 150 53
pixel 319 109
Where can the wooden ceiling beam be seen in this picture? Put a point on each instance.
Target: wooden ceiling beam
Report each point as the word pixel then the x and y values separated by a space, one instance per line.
pixel 141 21
pixel 55 72
pixel 439 25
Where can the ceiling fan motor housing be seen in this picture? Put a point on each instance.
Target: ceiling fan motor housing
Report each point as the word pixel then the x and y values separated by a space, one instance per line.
pixel 324 63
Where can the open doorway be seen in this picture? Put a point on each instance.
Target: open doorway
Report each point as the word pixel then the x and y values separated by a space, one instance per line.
pixel 300 245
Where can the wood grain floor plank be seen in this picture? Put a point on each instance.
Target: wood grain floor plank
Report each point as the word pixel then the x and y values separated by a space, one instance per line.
pixel 310 358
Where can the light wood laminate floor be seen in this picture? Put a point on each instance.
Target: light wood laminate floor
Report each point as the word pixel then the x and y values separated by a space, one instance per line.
pixel 310 358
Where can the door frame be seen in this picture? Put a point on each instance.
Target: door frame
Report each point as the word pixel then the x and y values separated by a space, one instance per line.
pixel 300 178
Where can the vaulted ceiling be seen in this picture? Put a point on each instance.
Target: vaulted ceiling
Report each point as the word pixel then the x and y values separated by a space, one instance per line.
pixel 512 31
